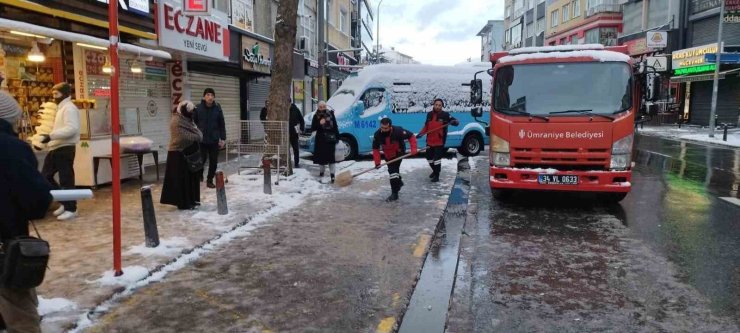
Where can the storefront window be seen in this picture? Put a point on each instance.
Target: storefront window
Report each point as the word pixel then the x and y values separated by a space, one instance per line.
pixel 29 82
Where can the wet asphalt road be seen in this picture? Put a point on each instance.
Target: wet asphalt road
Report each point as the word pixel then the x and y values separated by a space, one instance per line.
pixel 666 259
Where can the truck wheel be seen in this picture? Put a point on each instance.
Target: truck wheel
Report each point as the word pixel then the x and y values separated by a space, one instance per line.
pixel 614 197
pixel 472 144
pixel 351 145
pixel 501 195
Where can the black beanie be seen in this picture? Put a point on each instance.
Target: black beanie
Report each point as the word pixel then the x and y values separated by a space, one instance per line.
pixel 63 88
pixel 209 91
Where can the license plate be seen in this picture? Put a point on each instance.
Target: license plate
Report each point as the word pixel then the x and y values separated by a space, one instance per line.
pixel 557 179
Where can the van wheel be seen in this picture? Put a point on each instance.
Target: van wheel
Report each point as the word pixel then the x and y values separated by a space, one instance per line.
pixel 351 145
pixel 472 144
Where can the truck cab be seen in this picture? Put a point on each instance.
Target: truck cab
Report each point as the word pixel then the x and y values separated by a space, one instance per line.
pixel 562 119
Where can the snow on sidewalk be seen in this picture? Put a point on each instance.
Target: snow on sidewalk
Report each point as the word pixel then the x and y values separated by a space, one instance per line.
pixel 693 134
pixel 80 278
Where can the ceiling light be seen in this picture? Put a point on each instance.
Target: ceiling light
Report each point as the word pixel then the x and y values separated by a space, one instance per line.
pixel 19 33
pixel 136 67
pixel 92 46
pixel 107 68
pixel 35 54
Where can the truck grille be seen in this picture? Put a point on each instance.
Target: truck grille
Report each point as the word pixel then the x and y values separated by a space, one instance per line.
pixel 561 158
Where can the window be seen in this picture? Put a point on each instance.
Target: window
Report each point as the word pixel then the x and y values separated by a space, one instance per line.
pixel 242 14
pixel 373 97
pixel 592 36
pixel 530 30
pixel 554 17
pixel 566 13
pixel 329 17
pixel 343 21
pixel 507 11
pixel 604 36
pixel 221 5
pixel 576 8
pixel 563 41
pixel 574 40
pixel 540 26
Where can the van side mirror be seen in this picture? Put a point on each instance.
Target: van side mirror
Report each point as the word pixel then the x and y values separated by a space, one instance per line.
pixel 476 92
pixel 476 112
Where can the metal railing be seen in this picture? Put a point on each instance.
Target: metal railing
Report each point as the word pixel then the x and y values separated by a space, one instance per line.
pixel 260 140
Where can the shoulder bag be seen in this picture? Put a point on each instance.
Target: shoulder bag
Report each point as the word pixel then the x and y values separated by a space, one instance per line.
pixel 24 260
pixel 193 158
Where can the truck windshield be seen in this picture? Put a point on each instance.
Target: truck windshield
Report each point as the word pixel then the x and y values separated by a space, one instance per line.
pixel 544 89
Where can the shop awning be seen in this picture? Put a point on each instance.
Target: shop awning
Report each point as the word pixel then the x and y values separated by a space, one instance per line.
pixel 703 77
pixel 79 38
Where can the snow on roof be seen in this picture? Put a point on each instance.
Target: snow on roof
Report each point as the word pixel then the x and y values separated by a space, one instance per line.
pixel 556 48
pixel 79 38
pixel 445 81
pixel 601 56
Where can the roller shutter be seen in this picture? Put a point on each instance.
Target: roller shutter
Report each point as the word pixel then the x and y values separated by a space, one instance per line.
pixel 227 94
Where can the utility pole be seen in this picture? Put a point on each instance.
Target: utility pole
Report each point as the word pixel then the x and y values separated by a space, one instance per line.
pixel 715 87
pixel 377 35
pixel 115 135
pixel 322 49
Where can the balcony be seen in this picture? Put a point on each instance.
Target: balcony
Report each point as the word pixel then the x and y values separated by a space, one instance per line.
pixel 604 8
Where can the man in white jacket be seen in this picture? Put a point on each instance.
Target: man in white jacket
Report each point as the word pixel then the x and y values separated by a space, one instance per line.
pixel 62 142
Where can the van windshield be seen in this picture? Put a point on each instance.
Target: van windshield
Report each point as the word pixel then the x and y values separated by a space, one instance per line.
pixel 342 100
pixel 544 89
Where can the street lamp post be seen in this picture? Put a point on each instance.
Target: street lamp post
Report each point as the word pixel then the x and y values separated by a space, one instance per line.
pixel 377 35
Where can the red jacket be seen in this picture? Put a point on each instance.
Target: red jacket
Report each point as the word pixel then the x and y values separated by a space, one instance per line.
pixel 434 121
pixel 392 143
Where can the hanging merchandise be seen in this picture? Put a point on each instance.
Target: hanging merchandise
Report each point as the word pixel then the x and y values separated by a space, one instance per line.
pixel 46 124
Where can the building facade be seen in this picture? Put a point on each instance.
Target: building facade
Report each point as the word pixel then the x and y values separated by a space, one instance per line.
pixel 524 23
pixel 392 56
pixel 491 38
pixel 583 22
pixel 363 34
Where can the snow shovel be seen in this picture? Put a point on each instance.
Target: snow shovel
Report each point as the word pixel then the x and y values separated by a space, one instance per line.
pixel 345 177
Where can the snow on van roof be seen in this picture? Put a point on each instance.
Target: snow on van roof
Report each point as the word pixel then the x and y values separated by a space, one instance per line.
pixel 602 56
pixel 556 48
pixel 440 82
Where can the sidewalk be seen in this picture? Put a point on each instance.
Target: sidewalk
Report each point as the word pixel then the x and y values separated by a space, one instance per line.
pixel 80 276
pixel 690 133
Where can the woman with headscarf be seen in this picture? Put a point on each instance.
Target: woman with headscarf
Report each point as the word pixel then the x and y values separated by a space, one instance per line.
pixel 181 186
pixel 327 134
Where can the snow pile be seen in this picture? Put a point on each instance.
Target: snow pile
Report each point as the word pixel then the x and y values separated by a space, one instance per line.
pixel 48 306
pixel 131 275
pixel 167 248
pixel 407 166
pixel 602 56
pixel 693 134
pixel 557 48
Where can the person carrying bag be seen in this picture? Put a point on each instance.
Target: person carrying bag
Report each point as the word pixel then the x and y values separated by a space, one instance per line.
pixel 181 186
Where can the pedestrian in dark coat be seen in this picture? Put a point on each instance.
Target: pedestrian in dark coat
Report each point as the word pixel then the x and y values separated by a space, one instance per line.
pixel 263 112
pixel 437 137
pixel 297 126
pixel 24 196
pixel 327 134
pixel 181 186
pixel 391 139
pixel 210 120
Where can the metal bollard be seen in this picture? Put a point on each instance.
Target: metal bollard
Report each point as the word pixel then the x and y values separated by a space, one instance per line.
pixel 223 209
pixel 151 235
pixel 268 181
pixel 724 134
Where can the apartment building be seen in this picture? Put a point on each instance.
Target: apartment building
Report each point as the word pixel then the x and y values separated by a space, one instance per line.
pixel 491 38
pixel 583 22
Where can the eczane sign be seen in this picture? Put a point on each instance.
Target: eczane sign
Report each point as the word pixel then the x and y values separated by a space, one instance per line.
pixel 204 36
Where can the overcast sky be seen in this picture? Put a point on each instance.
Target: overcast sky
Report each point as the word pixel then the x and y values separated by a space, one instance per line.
pixel 436 32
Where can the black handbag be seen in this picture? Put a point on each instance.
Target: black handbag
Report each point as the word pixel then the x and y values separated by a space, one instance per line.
pixel 24 260
pixel 194 159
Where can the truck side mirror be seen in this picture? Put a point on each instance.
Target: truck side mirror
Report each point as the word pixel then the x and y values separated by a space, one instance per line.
pixel 476 92
pixel 476 112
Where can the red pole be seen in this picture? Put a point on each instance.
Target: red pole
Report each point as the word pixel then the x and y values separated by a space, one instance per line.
pixel 116 131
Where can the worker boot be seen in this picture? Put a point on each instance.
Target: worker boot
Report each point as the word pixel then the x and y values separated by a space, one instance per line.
pixel 392 197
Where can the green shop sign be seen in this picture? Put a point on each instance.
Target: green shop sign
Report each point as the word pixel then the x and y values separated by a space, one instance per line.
pixel 695 69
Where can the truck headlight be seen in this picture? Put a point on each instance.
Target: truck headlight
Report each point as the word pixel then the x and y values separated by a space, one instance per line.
pixel 500 151
pixel 622 153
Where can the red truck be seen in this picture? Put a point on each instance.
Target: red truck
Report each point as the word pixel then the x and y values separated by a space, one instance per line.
pixel 562 119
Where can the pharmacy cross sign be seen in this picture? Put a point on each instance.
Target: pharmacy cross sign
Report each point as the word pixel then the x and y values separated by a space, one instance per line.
pixel 195 7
